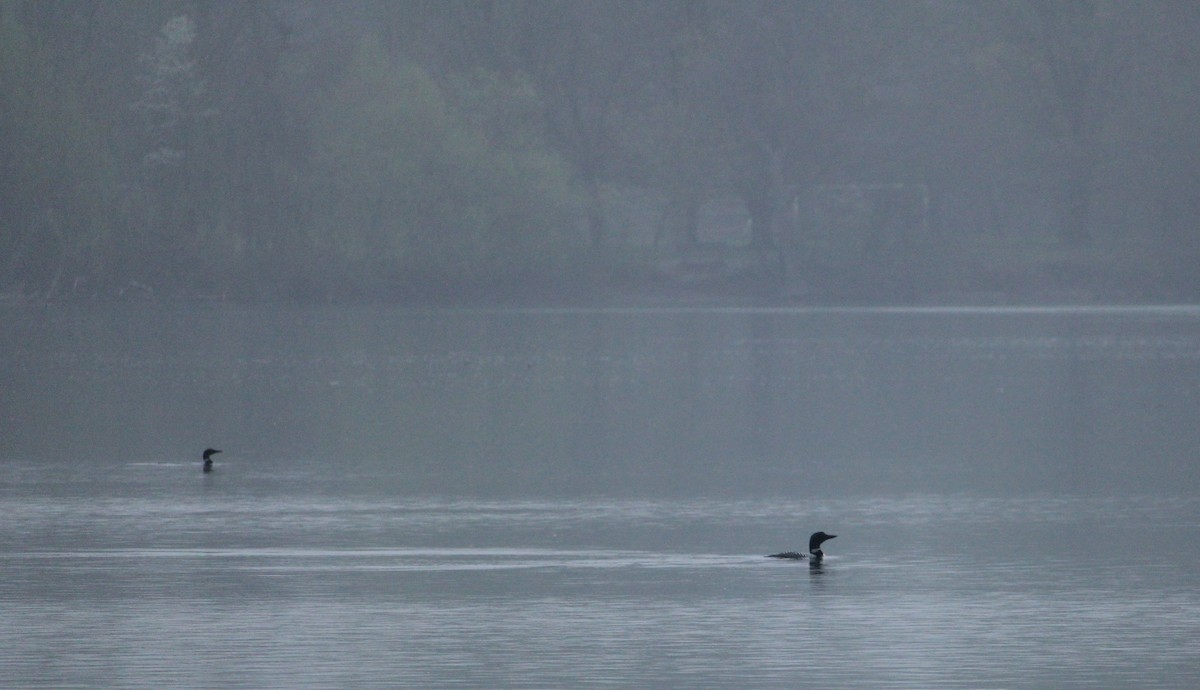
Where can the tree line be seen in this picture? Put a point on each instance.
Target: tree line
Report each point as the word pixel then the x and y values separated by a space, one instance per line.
pixel 450 148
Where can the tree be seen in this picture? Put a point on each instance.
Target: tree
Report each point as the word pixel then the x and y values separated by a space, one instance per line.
pixel 252 146
pixel 798 77
pixel 1072 55
pixel 57 181
pixel 171 109
pixel 589 66
pixel 682 139
pixel 429 191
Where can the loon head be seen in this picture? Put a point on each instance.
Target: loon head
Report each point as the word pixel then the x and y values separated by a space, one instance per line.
pixel 815 541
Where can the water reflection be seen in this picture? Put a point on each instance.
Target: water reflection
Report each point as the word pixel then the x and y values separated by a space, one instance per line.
pixel 799 402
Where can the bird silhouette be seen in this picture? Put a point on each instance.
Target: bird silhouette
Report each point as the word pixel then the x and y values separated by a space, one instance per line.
pixel 208 463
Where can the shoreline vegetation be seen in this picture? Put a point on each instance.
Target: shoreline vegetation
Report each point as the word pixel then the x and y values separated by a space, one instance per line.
pixel 723 278
pixel 448 153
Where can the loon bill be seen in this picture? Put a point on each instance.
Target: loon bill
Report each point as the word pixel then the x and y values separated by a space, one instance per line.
pixel 208 463
pixel 814 548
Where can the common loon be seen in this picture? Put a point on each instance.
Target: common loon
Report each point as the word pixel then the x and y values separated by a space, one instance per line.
pixel 814 548
pixel 208 453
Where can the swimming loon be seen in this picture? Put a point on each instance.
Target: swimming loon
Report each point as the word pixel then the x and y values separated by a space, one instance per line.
pixel 208 453
pixel 814 547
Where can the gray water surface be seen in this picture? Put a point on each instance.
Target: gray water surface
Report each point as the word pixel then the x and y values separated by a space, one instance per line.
pixel 547 499
pixel 211 587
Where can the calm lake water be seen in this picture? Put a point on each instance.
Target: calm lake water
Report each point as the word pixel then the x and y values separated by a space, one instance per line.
pixel 583 498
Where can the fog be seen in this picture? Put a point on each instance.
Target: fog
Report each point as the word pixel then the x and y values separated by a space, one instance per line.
pixel 804 153
pixel 239 222
pixel 556 247
pixel 527 328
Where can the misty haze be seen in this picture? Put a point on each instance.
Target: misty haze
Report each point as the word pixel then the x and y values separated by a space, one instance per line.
pixel 526 330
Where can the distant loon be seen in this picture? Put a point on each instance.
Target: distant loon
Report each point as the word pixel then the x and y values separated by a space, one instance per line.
pixel 814 547
pixel 208 453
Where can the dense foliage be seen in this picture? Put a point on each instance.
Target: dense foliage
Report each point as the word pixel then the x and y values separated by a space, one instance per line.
pixel 405 149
